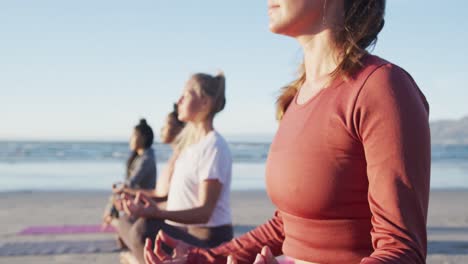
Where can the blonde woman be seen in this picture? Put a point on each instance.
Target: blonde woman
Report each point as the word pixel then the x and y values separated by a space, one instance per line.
pixel 198 206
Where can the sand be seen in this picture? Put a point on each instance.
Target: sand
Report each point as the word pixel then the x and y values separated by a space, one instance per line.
pixel 447 223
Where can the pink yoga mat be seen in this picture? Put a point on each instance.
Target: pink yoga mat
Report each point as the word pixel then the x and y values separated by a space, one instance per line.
pixel 65 229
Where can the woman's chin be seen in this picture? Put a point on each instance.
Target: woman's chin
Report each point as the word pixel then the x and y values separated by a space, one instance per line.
pixel 273 26
pixel 277 28
pixel 163 138
pixel 182 118
pixel 272 29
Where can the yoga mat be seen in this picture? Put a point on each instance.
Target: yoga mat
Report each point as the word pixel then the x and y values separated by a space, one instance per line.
pixel 65 229
pixel 57 247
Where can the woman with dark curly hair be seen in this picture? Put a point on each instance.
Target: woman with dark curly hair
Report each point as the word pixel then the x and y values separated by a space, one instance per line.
pixel 141 166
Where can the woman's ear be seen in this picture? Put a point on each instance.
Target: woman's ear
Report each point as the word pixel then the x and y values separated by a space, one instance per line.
pixel 206 102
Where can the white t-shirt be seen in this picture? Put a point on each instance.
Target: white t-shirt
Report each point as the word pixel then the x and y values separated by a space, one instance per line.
pixel 209 159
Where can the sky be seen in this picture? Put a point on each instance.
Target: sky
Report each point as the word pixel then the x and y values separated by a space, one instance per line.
pixel 89 70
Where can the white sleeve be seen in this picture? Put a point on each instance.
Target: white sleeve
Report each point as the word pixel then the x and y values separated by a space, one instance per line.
pixel 215 164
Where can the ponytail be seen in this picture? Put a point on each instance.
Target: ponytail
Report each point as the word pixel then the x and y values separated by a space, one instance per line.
pixel 219 101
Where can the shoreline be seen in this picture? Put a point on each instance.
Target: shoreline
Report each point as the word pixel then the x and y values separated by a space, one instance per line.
pixel 447 221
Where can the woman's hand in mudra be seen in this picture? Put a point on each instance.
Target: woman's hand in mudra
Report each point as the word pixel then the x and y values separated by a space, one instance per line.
pixel 157 255
pixel 141 206
pixel 265 257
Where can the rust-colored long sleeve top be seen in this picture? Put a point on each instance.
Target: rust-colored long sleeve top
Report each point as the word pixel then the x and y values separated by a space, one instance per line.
pixel 349 173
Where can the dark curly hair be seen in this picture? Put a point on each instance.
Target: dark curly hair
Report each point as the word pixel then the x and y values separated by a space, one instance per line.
pixel 146 133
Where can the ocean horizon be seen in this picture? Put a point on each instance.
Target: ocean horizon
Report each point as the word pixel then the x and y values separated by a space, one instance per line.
pixel 95 165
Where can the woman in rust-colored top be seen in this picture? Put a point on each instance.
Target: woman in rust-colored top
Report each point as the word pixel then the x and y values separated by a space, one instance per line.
pixel 349 167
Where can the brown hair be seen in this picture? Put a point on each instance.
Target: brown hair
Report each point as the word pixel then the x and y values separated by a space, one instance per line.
pixel 175 126
pixel 213 87
pixel 363 20
pixel 146 133
pixel 133 155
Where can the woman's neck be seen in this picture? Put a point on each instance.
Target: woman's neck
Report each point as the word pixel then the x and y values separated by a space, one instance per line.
pixel 320 55
pixel 204 127
pixel 200 129
pixel 140 151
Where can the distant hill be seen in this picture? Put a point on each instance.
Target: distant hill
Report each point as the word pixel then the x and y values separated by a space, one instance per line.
pixel 450 132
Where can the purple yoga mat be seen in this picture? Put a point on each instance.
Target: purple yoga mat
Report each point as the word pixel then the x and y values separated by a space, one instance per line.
pixel 65 229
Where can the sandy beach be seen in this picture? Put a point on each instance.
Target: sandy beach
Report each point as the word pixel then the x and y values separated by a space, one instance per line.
pixel 447 223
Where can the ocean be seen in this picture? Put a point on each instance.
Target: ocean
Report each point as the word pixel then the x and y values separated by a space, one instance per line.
pixel 31 166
